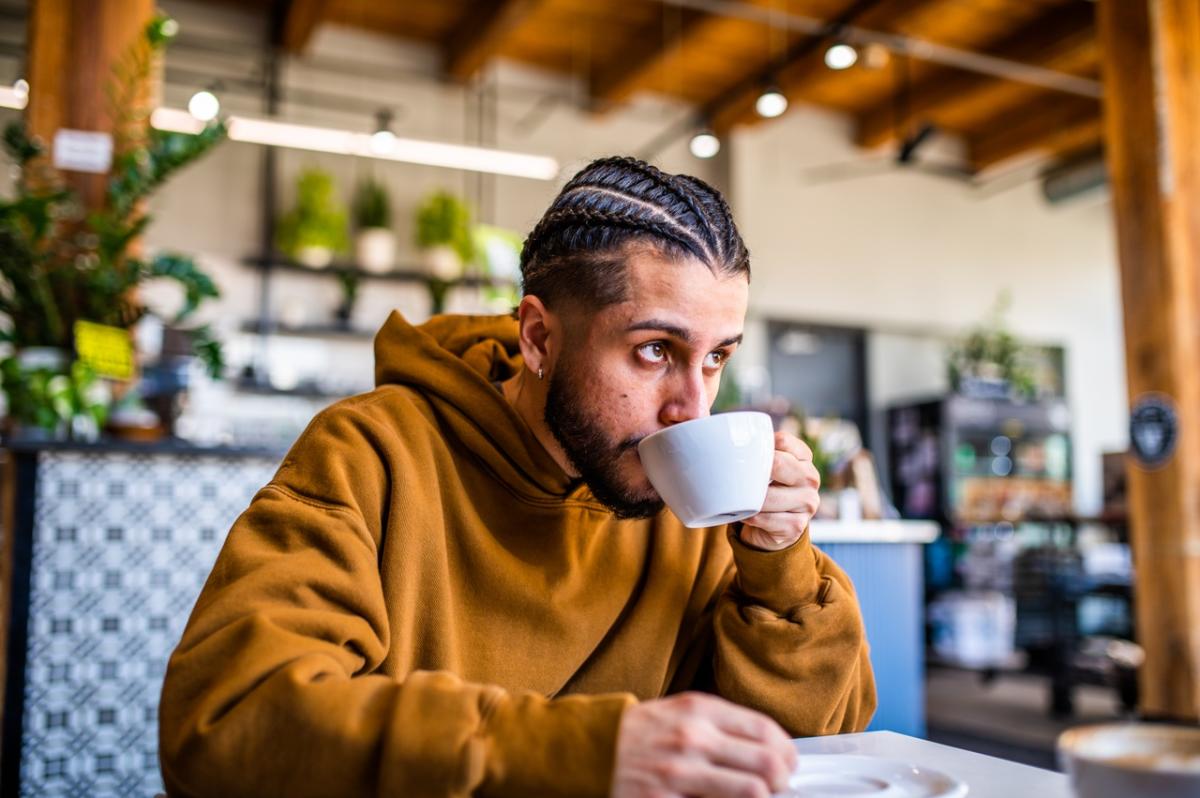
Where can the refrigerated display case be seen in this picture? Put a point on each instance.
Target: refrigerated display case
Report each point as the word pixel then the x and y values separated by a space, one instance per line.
pixel 962 460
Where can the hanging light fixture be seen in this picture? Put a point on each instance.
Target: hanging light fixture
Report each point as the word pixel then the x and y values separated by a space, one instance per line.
pixel 383 140
pixel 273 133
pixel 705 144
pixel 841 55
pixel 204 106
pixel 771 103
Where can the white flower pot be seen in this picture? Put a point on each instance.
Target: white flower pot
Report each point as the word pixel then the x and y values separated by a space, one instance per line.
pixel 375 249
pixel 442 263
pixel 314 257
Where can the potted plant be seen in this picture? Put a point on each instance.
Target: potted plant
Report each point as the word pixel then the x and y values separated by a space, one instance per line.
pixel 60 266
pixel 444 235
pixel 444 240
pixel 315 229
pixel 989 361
pixel 374 242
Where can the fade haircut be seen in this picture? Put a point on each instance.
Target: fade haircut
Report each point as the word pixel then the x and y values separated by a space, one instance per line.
pixel 577 252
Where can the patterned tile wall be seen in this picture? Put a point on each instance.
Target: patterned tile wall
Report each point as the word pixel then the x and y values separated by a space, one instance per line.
pixel 122 545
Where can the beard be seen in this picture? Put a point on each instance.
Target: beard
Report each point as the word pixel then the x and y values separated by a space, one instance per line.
pixel 592 452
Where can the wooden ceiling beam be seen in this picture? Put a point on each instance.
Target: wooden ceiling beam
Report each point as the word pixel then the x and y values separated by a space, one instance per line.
pixel 1051 124
pixel 1063 40
pixel 643 59
pixel 300 21
pixel 806 63
pixel 482 33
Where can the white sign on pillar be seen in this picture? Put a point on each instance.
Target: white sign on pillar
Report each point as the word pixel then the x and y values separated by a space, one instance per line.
pixel 83 151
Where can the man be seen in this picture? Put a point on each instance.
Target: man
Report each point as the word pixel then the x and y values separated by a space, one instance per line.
pixel 462 583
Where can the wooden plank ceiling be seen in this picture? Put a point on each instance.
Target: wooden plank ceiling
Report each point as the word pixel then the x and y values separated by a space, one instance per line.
pixel 698 52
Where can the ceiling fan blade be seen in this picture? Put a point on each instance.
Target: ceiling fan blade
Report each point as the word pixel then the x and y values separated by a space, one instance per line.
pixel 910 145
pixel 939 169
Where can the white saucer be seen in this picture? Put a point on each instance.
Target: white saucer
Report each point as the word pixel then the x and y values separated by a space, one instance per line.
pixel 848 775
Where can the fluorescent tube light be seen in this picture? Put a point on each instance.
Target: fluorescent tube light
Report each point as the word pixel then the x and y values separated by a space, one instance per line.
pixel 345 142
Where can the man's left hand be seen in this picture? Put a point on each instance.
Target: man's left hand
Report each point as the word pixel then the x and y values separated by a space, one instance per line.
pixel 792 498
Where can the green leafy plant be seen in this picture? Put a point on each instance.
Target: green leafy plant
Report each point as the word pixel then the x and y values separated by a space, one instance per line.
pixel 60 265
pixel 372 207
pixel 47 399
pixel 990 353
pixel 445 220
pixel 318 219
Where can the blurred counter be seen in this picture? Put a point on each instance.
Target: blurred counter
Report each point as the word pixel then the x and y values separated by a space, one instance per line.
pixel 890 531
pixel 885 560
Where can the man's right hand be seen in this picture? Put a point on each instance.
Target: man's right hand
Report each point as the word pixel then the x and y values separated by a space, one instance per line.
pixel 695 744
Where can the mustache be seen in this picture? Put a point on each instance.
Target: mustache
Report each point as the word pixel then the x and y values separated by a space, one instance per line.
pixel 631 443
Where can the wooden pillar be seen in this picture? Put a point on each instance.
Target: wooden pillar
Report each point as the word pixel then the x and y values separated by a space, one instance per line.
pixel 73 47
pixel 1152 127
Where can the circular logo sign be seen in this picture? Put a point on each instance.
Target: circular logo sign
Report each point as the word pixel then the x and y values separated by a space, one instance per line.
pixel 1153 429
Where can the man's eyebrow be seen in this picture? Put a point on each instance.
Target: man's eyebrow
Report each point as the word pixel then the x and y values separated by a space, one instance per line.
pixel 675 331
pixel 737 339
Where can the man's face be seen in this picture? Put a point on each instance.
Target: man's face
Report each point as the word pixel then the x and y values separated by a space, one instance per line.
pixel 636 367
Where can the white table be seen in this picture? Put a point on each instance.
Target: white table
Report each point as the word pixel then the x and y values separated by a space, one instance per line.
pixel 986 776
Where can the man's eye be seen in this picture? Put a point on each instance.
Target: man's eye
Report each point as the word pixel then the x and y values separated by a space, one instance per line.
pixel 715 360
pixel 655 352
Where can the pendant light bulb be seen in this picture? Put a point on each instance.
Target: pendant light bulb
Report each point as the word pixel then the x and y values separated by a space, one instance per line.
pixel 383 140
pixel 771 103
pixel 705 144
pixel 841 56
pixel 204 106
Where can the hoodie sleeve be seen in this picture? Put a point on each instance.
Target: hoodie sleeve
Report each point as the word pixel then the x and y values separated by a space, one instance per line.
pixel 275 690
pixel 789 641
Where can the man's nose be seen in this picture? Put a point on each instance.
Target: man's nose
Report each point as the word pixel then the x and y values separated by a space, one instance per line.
pixel 688 398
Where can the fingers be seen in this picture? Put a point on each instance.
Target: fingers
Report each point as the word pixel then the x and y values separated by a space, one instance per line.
pixel 782 525
pixel 786 442
pixel 772 766
pixel 789 469
pixel 787 499
pixel 710 781
pixel 754 726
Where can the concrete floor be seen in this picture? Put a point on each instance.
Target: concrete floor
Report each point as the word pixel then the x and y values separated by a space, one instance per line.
pixel 1007 717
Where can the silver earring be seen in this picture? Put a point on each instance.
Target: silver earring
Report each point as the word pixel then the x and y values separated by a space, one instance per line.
pixel 541 373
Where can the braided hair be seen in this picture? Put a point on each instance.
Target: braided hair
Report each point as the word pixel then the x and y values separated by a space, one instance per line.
pixel 577 251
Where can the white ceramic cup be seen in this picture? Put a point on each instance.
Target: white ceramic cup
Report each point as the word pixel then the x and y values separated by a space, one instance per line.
pixel 713 470
pixel 1132 759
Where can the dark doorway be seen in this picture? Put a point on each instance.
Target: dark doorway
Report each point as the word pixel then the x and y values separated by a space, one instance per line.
pixel 820 370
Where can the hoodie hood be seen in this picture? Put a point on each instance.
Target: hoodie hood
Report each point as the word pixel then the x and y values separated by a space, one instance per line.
pixel 454 363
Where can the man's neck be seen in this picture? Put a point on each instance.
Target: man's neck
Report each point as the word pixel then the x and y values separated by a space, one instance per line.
pixel 528 398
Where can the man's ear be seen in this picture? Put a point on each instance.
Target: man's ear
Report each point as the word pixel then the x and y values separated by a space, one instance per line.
pixel 540 334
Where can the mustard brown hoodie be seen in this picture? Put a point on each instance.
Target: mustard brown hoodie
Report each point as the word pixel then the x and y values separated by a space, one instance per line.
pixel 422 603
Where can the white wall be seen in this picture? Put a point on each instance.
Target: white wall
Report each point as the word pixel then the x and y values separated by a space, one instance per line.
pixel 913 257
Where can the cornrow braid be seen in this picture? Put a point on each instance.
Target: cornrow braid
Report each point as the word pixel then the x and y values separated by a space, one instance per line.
pixel 733 248
pixel 666 183
pixel 577 251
